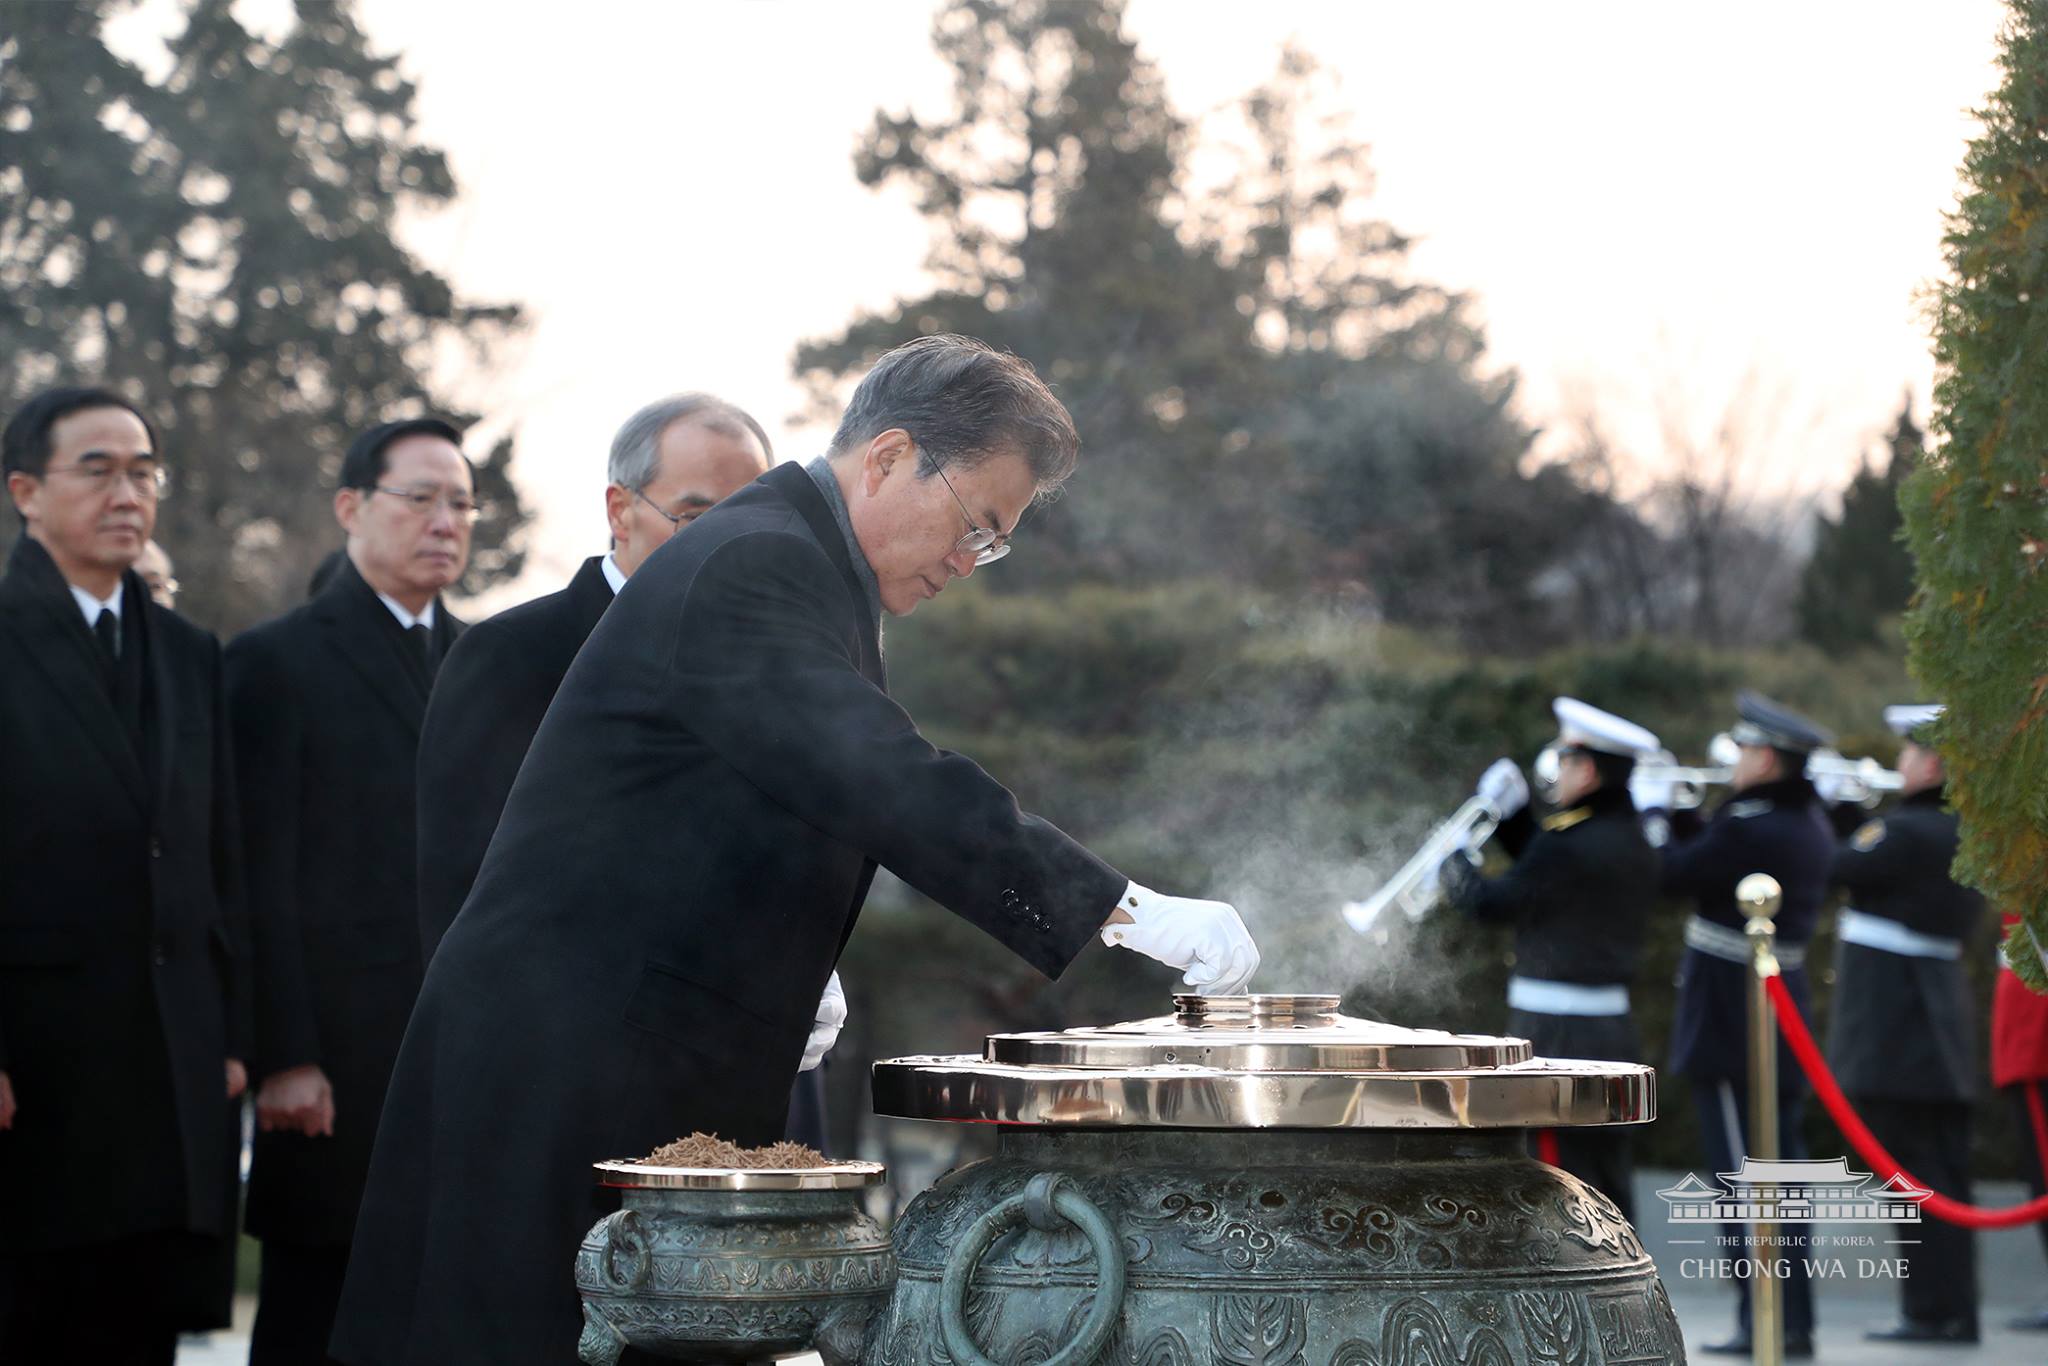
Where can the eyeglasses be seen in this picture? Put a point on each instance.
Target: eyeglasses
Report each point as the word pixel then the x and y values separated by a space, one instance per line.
pixel 677 520
pixel 424 501
pixel 150 482
pixel 985 545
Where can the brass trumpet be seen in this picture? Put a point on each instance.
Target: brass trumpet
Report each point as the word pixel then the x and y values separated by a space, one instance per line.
pixel 1414 888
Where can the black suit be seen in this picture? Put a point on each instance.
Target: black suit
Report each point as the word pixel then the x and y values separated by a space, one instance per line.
pixel 123 971
pixel 678 867
pixel 488 701
pixel 327 702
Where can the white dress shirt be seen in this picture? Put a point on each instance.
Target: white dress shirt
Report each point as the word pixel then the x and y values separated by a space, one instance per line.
pixel 92 606
pixel 613 575
pixel 407 619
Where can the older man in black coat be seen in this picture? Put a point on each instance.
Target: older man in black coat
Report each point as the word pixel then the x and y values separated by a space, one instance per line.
pixel 123 972
pixel 688 845
pixel 327 702
pixel 671 462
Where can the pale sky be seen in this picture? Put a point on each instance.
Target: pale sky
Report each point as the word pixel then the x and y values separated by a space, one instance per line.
pixel 1639 195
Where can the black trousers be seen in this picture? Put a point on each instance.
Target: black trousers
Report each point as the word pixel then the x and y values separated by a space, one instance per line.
pixel 1723 1108
pixel 2033 1161
pixel 1931 1140
pixel 296 1303
pixel 54 1306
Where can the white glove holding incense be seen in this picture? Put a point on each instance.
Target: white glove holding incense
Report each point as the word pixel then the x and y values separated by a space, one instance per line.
pixel 1206 938
pixel 830 1020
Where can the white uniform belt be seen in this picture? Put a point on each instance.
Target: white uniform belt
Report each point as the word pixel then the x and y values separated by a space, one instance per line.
pixel 1540 997
pixel 1889 936
pixel 1718 941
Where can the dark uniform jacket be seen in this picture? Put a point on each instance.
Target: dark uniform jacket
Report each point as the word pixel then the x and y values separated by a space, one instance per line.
pixel 327 702
pixel 1777 828
pixel 123 970
pixel 1579 897
pixel 1904 1027
pixel 488 700
pixel 681 860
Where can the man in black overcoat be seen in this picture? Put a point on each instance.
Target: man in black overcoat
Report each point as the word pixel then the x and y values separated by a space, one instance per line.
pixel 671 462
pixel 327 702
pixel 1772 822
pixel 1903 1040
pixel 1579 898
pixel 124 1009
pixel 686 849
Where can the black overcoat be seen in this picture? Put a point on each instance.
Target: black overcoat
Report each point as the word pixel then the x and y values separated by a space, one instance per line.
pixel 1903 1025
pixel 680 862
pixel 489 698
pixel 327 702
pixel 1579 898
pixel 123 967
pixel 1777 828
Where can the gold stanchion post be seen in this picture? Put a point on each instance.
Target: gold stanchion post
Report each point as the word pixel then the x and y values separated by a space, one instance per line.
pixel 1760 896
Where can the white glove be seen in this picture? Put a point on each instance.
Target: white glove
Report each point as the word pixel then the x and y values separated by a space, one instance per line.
pixel 1205 937
pixel 1833 787
pixel 1651 794
pixel 830 1020
pixel 1504 786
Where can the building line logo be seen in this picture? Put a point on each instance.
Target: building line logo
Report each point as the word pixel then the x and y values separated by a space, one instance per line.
pixel 1794 1191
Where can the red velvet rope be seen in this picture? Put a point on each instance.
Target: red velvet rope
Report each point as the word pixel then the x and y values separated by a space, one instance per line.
pixel 1865 1142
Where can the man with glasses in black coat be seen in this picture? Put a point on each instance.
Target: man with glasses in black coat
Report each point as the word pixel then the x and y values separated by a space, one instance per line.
pixel 670 463
pixel 124 975
pixel 327 703
pixel 688 845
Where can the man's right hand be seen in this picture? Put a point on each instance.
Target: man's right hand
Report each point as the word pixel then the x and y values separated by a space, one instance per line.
pixel 6 1102
pixel 1205 937
pixel 297 1098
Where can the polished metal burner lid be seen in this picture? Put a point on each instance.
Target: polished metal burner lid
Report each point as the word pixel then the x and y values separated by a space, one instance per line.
pixel 1259 1034
pixel 1257 1062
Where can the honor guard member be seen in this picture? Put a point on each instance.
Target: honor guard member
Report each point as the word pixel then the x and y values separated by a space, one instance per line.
pixel 1771 822
pixel 1903 1040
pixel 123 970
pixel 327 702
pixel 2019 1069
pixel 1579 896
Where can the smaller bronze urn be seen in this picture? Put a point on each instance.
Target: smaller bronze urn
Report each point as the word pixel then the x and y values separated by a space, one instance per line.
pixel 724 1264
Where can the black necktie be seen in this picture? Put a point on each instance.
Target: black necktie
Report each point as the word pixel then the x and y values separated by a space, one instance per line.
pixel 106 628
pixel 423 644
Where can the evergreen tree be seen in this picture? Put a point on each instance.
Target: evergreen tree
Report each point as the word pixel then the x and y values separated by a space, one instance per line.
pixel 219 244
pixel 1263 391
pixel 1977 510
pixel 1861 571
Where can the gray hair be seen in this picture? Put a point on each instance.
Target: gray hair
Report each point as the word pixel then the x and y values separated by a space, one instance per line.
pixel 636 449
pixel 963 402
